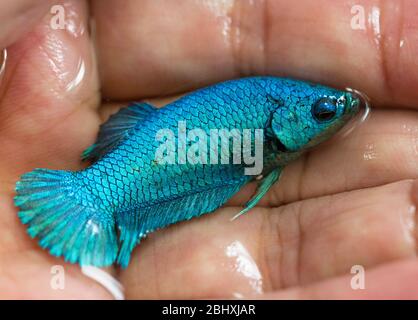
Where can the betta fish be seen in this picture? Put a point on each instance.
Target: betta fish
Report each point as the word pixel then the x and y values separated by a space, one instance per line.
pixel 144 177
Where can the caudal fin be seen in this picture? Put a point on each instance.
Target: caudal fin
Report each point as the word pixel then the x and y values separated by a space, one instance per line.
pixel 50 203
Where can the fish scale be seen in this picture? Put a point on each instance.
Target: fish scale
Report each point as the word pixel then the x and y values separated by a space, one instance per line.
pixel 98 215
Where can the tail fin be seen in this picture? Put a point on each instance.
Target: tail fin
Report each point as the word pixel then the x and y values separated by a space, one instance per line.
pixel 50 203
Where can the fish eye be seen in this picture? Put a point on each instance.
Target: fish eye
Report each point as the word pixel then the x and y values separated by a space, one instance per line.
pixel 324 109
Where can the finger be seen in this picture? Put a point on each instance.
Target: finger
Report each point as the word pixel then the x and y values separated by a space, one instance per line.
pixel 272 249
pixel 18 17
pixel 161 47
pixel 46 108
pixel 48 100
pixel 394 281
pixel 49 96
pixel 380 151
pixel 30 275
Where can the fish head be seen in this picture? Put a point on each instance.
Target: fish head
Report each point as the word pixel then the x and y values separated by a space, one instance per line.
pixel 308 114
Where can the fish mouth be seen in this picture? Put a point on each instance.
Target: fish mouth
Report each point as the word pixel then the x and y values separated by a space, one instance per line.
pixel 356 111
pixel 357 101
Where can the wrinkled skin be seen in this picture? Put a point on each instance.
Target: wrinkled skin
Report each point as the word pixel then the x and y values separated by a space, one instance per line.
pixel 350 202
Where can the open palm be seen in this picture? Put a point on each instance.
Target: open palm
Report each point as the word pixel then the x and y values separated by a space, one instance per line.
pixel 350 202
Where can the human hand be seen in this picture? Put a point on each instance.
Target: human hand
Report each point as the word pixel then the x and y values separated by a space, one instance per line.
pixel 348 202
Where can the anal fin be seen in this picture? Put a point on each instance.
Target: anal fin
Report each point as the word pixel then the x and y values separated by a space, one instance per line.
pixel 138 222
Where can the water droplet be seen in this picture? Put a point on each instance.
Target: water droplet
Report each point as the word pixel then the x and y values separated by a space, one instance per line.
pixel 79 76
pixel 221 10
pixel 3 62
pixel 370 152
pixel 408 224
pixel 375 22
pixel 74 23
pixel 246 267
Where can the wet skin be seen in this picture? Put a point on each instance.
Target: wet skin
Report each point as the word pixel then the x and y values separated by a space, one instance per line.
pixel 350 202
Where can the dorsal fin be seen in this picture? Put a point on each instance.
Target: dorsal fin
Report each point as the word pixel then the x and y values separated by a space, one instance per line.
pixel 116 128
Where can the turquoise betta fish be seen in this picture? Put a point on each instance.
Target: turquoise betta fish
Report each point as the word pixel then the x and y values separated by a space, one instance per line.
pixel 148 173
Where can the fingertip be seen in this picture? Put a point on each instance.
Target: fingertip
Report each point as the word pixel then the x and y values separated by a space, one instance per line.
pixel 18 17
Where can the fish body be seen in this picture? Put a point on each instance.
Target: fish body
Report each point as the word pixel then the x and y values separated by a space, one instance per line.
pixel 155 167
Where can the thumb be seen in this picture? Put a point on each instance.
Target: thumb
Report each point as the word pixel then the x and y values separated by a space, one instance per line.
pixel 18 17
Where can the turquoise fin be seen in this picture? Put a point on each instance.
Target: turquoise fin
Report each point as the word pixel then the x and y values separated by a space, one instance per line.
pixel 263 187
pixel 116 129
pixel 49 203
pixel 136 224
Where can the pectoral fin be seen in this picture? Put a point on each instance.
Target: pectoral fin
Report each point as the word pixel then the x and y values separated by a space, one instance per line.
pixel 263 187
